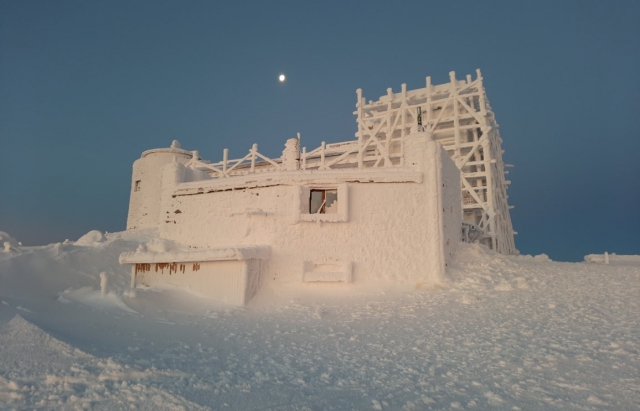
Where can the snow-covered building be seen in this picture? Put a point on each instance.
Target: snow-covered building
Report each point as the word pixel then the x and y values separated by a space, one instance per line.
pixel 387 206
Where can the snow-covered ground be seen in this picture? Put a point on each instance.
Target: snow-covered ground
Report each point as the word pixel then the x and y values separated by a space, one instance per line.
pixel 511 333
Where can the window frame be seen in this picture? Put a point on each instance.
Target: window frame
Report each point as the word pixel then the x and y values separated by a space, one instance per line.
pixel 302 211
pixel 323 204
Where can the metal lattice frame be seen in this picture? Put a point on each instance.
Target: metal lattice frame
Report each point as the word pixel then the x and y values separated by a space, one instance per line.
pixel 459 117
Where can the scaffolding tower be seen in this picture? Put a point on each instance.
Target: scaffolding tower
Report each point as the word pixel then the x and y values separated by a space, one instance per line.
pixel 458 116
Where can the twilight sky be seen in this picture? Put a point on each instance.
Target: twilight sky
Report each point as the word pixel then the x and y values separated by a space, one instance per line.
pixel 85 87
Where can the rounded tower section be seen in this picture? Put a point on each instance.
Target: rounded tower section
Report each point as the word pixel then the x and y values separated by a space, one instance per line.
pixel 146 184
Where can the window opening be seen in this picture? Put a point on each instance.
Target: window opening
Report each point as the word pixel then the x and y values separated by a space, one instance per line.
pixel 323 202
pixel 137 186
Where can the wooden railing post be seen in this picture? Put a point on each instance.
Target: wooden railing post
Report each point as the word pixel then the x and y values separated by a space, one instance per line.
pixel 304 158
pixel 299 162
pixel 361 131
pixel 194 159
pixel 254 150
pixel 225 159
pixel 429 93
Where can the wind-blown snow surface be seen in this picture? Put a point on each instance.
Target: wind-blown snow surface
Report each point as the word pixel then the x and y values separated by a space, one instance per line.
pixel 502 333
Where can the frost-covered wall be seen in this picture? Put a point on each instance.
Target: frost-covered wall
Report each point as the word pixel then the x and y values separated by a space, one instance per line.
pixel 347 212
pixel 146 185
pixel 451 207
pixel 396 223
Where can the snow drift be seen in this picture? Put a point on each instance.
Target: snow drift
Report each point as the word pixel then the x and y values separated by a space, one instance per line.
pixel 502 332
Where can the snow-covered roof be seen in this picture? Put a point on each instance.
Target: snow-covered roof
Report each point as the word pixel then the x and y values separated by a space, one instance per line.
pixel 174 149
pixel 186 256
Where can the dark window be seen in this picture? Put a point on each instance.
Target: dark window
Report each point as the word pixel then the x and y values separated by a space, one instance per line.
pixel 323 202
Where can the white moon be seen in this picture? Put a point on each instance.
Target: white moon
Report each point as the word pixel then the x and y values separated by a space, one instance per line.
pixel 281 78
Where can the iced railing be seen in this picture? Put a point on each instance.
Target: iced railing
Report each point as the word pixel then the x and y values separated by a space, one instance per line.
pixel 350 154
pixel 229 168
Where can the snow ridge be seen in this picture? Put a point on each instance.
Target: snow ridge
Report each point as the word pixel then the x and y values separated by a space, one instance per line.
pixel 40 372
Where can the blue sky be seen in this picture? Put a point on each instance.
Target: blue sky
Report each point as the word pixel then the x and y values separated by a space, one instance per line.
pixel 85 87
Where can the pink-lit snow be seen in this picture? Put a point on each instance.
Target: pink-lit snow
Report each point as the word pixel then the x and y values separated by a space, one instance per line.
pixel 503 332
